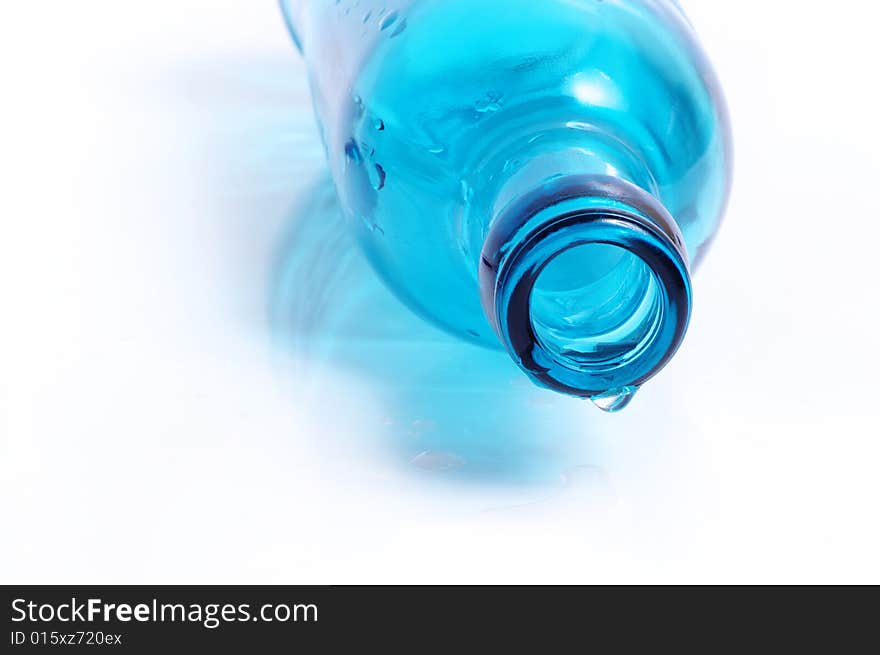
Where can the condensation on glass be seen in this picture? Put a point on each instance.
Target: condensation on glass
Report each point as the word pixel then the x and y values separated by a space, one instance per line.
pixel 542 177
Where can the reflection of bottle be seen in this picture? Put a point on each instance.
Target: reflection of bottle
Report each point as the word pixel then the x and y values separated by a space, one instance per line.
pixel 543 175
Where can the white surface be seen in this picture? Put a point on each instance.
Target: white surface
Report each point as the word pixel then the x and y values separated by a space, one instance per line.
pixel 152 432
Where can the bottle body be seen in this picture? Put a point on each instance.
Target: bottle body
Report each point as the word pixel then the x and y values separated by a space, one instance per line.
pixel 457 130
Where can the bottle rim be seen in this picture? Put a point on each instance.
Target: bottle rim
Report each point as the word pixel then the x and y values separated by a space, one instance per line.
pixel 564 215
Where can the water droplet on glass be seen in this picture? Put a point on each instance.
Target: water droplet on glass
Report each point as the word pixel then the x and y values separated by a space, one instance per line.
pixel 353 152
pixel 615 400
pixel 437 461
pixel 393 20
pixel 377 177
pixel 389 20
pixel 379 125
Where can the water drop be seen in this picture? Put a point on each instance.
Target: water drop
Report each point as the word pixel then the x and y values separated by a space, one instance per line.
pixel 379 125
pixel 377 177
pixel 353 152
pixel 615 400
pixel 397 30
pixel 358 106
pixel 389 20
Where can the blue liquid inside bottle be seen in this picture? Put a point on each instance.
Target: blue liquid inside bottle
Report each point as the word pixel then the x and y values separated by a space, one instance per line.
pixel 538 176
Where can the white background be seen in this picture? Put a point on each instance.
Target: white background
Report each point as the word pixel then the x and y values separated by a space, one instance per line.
pixel 154 430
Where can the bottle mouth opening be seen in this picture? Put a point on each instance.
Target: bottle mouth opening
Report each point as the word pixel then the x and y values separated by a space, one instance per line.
pixel 591 301
pixel 596 305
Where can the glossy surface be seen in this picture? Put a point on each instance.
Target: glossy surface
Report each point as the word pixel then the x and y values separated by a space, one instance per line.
pixel 437 115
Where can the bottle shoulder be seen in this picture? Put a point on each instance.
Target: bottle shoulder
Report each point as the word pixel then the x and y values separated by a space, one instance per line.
pixel 455 83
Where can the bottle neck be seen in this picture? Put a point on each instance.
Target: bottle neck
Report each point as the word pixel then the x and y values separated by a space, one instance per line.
pixel 586 282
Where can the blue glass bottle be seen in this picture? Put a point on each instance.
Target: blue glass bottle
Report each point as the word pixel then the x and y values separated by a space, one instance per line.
pixel 541 176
